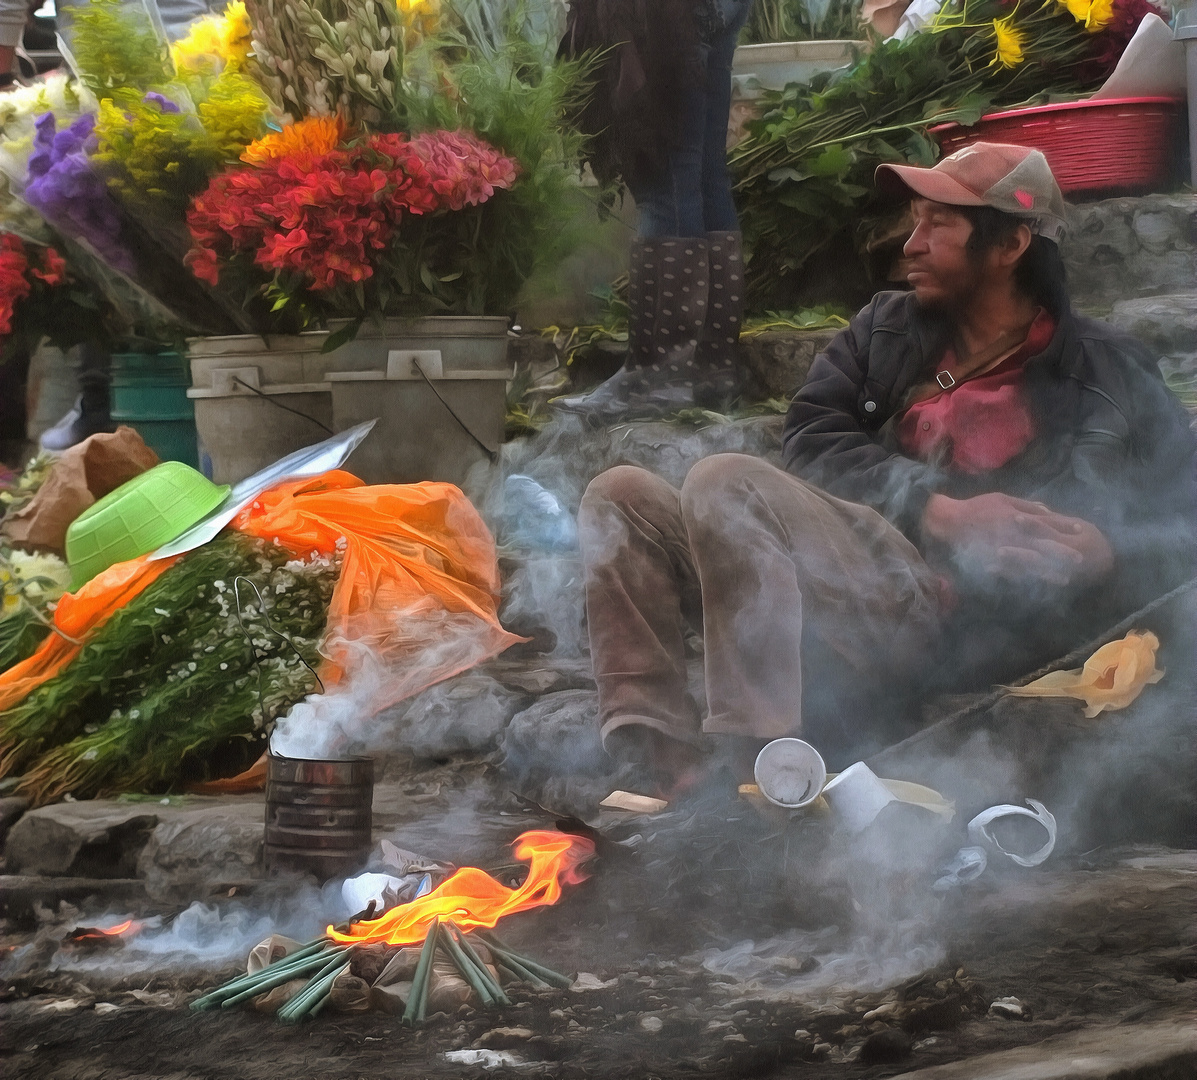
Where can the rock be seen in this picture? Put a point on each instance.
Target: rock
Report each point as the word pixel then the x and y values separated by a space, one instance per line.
pixel 885 1047
pixel 780 359
pixel 1009 1008
pixel 503 1038
pixel 11 810
pixel 466 714
pixel 540 676
pixel 651 1024
pixel 1119 248
pixel 1166 323
pixel 553 754
pixel 1163 1049
pixel 22 897
pixel 98 839
pixel 208 848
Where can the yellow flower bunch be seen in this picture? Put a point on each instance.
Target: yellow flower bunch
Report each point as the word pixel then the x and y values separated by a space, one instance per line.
pixel 1093 15
pixel 420 18
pixel 1009 42
pixel 316 135
pixel 215 42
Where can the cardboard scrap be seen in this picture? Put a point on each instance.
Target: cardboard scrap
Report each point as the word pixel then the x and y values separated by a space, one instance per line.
pixel 1111 679
pixel 635 804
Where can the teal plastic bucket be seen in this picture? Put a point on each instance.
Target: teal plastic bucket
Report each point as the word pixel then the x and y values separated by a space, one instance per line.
pixel 149 393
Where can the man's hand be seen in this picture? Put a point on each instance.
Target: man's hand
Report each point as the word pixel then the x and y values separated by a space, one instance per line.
pixel 1019 540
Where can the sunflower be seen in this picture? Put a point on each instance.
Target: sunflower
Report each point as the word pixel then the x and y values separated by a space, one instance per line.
pixel 1009 42
pixel 1094 15
pixel 314 136
pixel 215 41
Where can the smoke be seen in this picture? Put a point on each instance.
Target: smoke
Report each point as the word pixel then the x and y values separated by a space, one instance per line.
pixel 424 645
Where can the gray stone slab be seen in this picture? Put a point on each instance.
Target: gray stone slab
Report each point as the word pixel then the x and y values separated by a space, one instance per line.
pixel 1161 1051
pixel 11 809
pixel 1120 248
pixel 206 848
pixel 21 895
pixel 99 838
pixel 1167 323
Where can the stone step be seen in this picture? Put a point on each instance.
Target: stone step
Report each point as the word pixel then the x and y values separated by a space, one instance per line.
pixel 1165 1050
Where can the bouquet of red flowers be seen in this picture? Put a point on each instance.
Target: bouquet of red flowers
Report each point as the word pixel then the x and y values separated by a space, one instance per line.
pixel 22 269
pixel 322 216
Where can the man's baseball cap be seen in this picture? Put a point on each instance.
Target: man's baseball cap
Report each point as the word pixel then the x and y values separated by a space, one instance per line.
pixel 1014 179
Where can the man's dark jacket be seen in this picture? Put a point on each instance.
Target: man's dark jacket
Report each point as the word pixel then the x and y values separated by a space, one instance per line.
pixel 1113 446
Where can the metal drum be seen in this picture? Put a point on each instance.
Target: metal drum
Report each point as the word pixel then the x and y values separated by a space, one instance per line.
pixel 318 815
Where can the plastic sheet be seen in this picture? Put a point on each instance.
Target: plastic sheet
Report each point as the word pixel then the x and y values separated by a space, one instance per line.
pixel 1111 679
pixel 979 832
pixel 419 587
pixel 418 591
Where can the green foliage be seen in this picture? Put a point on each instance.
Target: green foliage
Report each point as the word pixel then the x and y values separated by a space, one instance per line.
pixel 804 174
pixel 171 679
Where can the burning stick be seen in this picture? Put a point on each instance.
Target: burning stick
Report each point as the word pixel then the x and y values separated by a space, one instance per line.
pixel 308 958
pixel 472 968
pixel 316 991
pixel 414 1012
pixel 523 966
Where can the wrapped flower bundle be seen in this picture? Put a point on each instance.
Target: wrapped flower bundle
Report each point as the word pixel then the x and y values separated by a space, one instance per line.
pixel 324 217
pixel 183 682
pixel 288 163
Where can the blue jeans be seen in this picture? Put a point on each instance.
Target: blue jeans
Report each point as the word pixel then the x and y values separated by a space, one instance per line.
pixel 692 196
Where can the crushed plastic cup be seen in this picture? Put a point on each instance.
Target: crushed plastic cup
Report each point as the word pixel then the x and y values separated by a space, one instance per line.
pixel 790 773
pixel 856 796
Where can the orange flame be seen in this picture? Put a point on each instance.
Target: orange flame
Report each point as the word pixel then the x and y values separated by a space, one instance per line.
pixel 472 898
pixel 116 931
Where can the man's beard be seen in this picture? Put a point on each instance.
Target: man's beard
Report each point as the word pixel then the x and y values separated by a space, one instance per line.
pixel 949 303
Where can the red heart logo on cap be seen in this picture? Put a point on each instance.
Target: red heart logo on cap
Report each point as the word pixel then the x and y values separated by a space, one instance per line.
pixel 1025 199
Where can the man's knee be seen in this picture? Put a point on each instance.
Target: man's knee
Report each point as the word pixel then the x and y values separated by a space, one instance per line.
pixel 628 487
pixel 722 480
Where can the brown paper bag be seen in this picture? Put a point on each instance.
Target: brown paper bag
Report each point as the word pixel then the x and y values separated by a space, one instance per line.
pixel 83 475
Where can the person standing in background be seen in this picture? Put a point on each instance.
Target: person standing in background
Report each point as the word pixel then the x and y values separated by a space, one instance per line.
pixel 658 121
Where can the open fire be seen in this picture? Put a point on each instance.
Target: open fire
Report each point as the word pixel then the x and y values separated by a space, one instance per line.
pixel 472 899
pixel 101 936
pixel 371 961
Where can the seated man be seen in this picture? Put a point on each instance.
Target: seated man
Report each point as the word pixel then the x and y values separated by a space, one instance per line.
pixel 976 481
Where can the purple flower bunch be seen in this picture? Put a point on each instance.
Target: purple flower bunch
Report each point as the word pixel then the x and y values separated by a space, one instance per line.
pixel 63 186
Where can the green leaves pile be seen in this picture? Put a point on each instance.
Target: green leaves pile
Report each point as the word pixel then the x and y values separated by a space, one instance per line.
pixel 804 174
pixel 174 687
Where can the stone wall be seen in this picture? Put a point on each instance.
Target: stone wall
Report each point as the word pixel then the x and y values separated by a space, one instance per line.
pixel 1120 249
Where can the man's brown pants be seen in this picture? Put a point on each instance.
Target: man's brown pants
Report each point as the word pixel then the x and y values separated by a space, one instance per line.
pixel 755 557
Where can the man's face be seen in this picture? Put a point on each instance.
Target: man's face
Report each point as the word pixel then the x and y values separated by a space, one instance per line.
pixel 941 271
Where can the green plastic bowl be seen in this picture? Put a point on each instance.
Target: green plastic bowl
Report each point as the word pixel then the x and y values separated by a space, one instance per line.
pixel 147 512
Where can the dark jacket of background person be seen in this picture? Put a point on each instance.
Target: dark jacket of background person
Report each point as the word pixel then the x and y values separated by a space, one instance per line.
pixel 1113 447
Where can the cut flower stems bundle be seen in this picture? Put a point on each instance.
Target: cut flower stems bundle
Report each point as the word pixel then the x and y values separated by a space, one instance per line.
pixel 803 176
pixel 321 962
pixel 182 682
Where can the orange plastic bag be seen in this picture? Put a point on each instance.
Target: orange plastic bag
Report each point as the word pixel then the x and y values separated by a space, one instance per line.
pixel 76 616
pixel 417 597
pixel 419 587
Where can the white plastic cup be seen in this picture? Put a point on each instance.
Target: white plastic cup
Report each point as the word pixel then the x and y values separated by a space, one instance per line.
pixel 856 796
pixel 790 773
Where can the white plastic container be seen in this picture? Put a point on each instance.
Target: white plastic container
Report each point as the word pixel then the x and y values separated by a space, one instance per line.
pixel 790 773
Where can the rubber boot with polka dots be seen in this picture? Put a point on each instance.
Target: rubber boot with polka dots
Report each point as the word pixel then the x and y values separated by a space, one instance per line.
pixel 717 381
pixel 667 310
